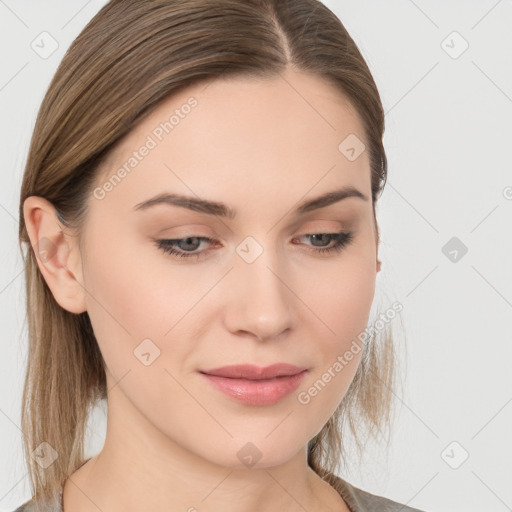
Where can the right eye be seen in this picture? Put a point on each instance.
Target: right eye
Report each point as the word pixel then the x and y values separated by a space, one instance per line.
pixel 168 246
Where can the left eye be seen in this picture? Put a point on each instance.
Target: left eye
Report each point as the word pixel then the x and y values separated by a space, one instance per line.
pixel 340 240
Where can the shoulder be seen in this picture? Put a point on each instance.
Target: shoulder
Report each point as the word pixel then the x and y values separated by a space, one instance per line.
pixel 31 506
pixel 26 507
pixel 359 500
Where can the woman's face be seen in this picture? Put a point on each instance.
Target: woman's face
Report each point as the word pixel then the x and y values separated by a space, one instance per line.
pixel 251 288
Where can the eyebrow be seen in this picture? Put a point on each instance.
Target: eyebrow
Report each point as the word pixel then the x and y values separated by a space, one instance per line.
pixel 222 210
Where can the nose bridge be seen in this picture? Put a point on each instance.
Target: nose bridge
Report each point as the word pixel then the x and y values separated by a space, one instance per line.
pixel 261 301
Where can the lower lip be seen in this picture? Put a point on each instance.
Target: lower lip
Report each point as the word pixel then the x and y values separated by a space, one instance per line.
pixel 257 392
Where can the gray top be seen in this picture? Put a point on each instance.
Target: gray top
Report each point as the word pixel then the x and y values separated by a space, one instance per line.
pixel 357 500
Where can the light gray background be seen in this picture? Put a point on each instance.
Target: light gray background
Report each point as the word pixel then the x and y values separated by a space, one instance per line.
pixel 448 140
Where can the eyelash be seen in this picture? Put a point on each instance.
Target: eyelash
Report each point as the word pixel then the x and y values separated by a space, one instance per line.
pixel 341 240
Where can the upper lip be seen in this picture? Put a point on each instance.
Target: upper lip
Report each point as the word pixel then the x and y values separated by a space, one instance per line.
pixel 252 372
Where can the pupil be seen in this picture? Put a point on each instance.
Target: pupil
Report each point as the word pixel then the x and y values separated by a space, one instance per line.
pixel 322 236
pixel 186 241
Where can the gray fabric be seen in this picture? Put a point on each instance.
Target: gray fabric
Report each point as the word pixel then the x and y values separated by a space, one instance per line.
pixel 54 505
pixel 357 500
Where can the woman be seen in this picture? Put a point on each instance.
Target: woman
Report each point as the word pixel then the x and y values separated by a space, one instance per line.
pixel 199 198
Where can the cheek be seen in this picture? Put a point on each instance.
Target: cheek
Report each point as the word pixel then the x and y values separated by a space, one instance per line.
pixel 340 295
pixel 348 300
pixel 125 301
pixel 343 309
pixel 130 290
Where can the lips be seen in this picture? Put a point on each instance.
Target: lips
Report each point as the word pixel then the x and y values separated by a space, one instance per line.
pixel 252 372
pixel 254 385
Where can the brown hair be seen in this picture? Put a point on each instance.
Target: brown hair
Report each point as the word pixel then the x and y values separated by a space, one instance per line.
pixel 129 57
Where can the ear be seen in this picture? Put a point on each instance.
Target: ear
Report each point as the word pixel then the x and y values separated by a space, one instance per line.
pixel 379 263
pixel 57 254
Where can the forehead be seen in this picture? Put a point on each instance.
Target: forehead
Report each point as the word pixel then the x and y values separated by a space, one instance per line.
pixel 244 137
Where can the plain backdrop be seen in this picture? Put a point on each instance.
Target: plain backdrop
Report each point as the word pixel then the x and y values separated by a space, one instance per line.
pixel 444 71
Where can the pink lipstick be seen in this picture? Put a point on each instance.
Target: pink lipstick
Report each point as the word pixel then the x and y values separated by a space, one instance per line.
pixel 254 385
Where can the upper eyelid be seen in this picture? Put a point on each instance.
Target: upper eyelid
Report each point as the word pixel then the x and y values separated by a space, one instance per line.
pixel 341 225
pixel 214 238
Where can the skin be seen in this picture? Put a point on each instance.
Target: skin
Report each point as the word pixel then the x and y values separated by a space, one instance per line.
pixel 260 146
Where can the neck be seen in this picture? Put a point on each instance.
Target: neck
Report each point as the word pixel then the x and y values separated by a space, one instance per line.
pixel 140 468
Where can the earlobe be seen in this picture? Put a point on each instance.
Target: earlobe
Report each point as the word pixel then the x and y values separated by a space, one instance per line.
pixel 54 251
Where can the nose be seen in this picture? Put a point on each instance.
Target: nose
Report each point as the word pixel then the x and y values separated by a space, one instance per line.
pixel 260 301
